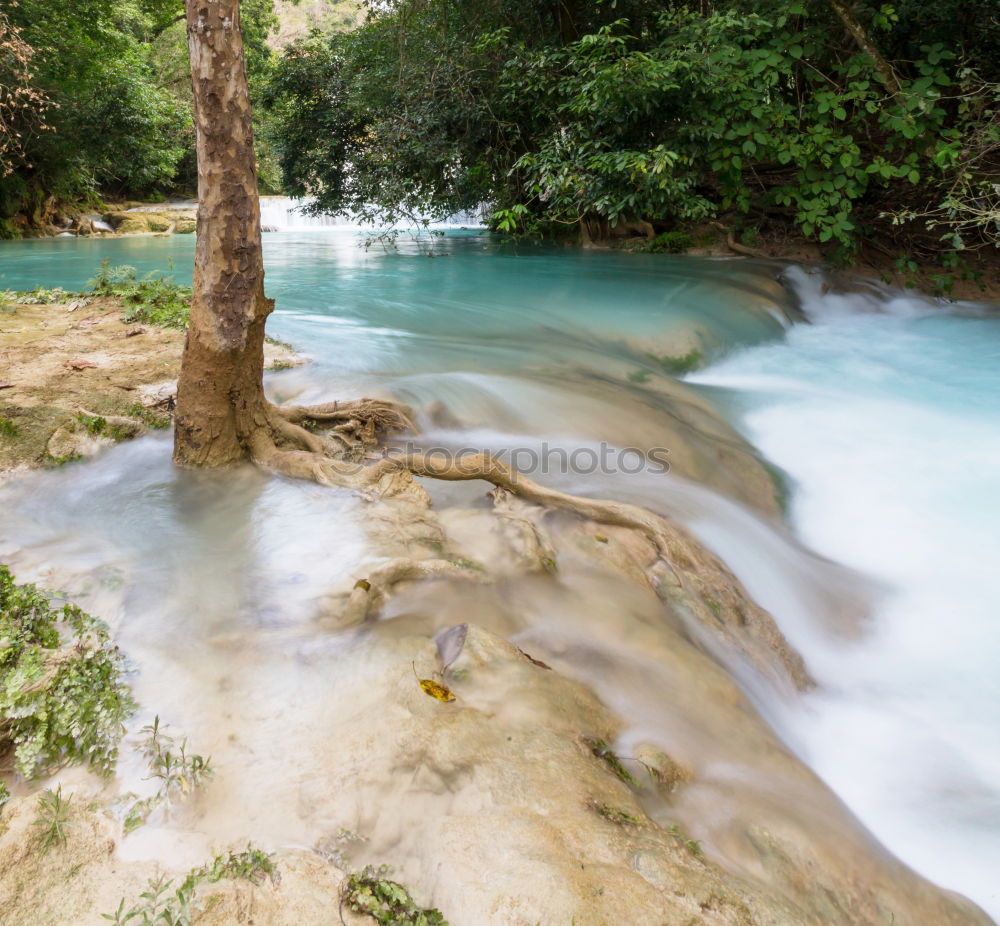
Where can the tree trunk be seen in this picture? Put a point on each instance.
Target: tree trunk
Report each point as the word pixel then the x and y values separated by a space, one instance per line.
pixel 220 396
pixel 864 42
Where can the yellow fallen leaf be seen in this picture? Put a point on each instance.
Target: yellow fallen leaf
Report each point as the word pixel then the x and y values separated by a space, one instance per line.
pixel 436 691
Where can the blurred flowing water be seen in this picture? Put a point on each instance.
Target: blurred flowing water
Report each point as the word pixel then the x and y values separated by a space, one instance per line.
pixel 881 413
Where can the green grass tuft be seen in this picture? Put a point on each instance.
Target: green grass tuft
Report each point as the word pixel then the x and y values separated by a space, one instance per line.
pixel 154 299
pixel 52 820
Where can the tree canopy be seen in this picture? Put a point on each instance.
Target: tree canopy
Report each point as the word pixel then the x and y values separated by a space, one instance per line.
pixel 839 121
pixel 109 87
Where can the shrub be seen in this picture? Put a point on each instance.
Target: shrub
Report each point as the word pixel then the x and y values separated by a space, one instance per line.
pixel 672 242
pixel 63 697
pixel 154 299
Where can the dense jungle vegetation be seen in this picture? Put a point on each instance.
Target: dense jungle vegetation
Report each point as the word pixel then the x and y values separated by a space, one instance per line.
pixel 95 101
pixel 840 122
pixel 834 120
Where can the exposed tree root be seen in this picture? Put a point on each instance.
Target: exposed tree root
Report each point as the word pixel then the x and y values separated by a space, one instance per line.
pixel 371 592
pixel 312 456
pixel 684 575
pixel 383 415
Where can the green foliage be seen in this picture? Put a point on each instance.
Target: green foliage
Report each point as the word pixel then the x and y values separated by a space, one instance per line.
pixel 155 299
pixel 606 754
pixel 617 816
pixel 672 242
pixel 177 773
pixel 93 425
pixel 252 864
pixel 8 428
pixel 148 416
pixel 158 905
pixel 163 905
pixel 104 102
pixel 52 820
pixel 692 845
pixel 677 366
pixel 41 296
pixel 387 902
pixel 112 127
pixel 62 691
pixel 552 113
pixel 4 795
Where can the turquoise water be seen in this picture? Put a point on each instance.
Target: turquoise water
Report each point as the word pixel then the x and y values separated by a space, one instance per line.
pixel 882 413
pixel 887 422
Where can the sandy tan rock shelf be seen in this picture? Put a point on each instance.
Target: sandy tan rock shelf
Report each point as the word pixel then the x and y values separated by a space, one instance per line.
pixel 57 359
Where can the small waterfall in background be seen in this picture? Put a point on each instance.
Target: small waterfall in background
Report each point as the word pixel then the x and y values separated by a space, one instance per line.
pixel 283 213
pixel 286 213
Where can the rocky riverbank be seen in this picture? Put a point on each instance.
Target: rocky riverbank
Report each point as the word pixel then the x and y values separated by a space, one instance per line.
pixel 76 377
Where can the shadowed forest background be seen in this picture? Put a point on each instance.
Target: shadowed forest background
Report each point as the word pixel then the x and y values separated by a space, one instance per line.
pixel 848 125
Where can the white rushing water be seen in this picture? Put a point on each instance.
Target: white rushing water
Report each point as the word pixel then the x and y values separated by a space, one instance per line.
pixel 883 412
pixel 285 213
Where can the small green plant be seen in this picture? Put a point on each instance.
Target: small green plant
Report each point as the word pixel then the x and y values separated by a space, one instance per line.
pixel 601 750
pixel 52 820
pixel 387 902
pixel 158 905
pixel 51 462
pixel 63 697
pixel 279 365
pixel 162 905
pixel 92 424
pixel 4 795
pixel 42 296
pixel 178 772
pixel 639 377
pixel 148 416
pixel 692 845
pixel 678 366
pixel 8 428
pixel 252 864
pixel 617 816
pixel 154 299
pixel 671 242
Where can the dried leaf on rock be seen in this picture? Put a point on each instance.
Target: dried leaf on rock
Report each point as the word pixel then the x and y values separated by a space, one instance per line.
pixel 435 690
pixel 79 365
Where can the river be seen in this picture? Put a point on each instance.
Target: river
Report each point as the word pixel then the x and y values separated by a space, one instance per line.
pixel 880 413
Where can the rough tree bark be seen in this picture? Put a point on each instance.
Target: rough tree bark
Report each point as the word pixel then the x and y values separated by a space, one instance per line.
pixel 222 415
pixel 220 394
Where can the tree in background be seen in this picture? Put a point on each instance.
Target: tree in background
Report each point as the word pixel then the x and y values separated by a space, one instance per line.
pixel 117 77
pixel 843 122
pixel 22 106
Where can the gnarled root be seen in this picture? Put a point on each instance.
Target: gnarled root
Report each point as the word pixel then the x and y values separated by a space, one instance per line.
pixel 380 415
pixel 684 575
pixel 370 593
pixel 483 466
